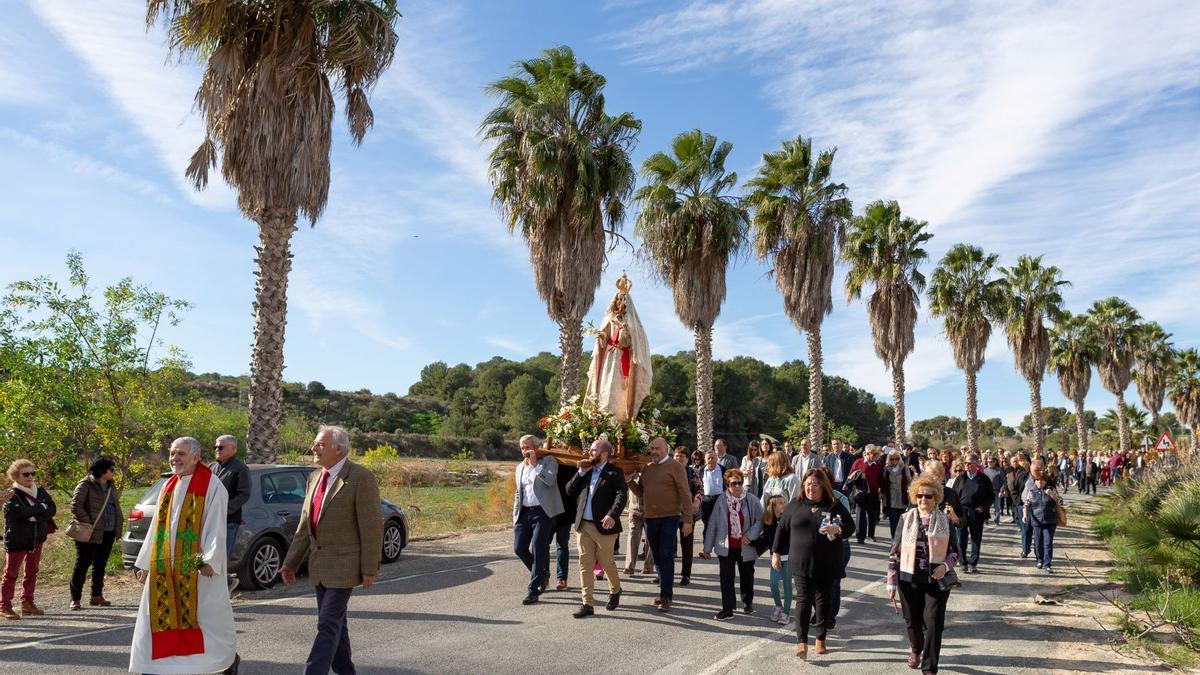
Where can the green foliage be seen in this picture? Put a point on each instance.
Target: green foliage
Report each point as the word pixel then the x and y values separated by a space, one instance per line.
pixel 76 377
pixel 461 461
pixel 799 424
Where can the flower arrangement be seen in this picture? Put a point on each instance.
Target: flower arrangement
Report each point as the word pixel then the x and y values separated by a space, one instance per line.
pixel 578 424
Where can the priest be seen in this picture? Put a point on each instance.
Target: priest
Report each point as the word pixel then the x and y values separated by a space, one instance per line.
pixel 185 620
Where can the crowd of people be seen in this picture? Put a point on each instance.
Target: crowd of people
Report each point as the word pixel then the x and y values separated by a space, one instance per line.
pixel 799 509
pixel 185 617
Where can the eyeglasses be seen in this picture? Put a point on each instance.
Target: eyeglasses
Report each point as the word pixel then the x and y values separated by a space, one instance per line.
pixel 735 483
pixel 28 474
pixel 924 496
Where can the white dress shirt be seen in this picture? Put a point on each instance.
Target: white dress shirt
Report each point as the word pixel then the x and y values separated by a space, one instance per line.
pixel 529 474
pixel 714 484
pixel 587 505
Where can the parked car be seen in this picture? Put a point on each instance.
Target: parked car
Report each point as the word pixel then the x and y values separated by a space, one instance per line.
pixel 269 520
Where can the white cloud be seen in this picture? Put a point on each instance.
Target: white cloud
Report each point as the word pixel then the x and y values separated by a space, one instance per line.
pixel 514 346
pixel 83 164
pixel 111 38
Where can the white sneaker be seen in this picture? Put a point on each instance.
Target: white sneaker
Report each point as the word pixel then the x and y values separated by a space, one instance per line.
pixel 775 613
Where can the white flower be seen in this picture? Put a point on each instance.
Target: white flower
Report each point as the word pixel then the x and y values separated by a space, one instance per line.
pixel 604 437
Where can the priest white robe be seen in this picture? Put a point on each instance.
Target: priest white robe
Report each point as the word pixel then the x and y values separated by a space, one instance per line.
pixel 214 611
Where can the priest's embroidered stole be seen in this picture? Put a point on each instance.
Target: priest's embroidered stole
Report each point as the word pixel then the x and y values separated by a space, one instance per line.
pixel 174 599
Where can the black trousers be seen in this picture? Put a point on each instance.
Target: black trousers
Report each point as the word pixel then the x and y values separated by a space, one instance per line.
pixel 331 648
pixel 924 608
pixel 745 569
pixel 811 593
pixel 971 532
pixel 93 557
pixel 706 509
pixel 686 545
pixel 867 517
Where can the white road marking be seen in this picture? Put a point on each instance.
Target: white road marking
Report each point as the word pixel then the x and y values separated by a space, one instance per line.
pixel 259 603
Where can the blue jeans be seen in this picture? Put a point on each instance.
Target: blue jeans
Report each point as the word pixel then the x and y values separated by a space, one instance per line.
pixel 562 541
pixel 997 503
pixel 231 530
pixel 533 530
pixel 835 604
pixel 971 531
pixel 782 578
pixel 660 537
pixel 331 648
pixel 1044 534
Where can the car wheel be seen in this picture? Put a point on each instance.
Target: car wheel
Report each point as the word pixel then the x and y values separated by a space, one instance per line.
pixel 261 568
pixel 393 541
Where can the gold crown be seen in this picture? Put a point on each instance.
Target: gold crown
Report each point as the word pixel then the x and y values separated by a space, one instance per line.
pixel 623 284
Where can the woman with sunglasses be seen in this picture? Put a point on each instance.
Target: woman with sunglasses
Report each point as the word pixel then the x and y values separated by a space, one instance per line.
pixel 96 502
pixel 735 523
pixel 27 519
pixel 893 488
pixel 923 552
pixel 811 531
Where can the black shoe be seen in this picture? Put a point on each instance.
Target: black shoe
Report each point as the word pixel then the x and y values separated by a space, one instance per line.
pixel 233 669
pixel 530 599
pixel 1024 554
pixel 584 610
pixel 724 615
pixel 614 599
pixel 542 586
pixel 874 540
pixel 748 608
pixel 684 581
pixel 830 624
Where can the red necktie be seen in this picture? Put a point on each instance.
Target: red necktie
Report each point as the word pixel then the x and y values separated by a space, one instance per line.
pixel 318 499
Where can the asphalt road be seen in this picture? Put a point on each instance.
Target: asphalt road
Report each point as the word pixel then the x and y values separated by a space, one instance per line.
pixel 453 606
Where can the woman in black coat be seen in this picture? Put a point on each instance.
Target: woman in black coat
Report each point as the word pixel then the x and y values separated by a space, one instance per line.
pixel 814 552
pixel 27 518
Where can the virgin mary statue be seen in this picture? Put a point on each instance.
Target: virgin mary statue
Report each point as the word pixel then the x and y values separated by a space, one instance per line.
pixel 620 374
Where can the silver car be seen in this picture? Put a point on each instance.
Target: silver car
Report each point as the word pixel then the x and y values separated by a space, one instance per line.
pixel 269 520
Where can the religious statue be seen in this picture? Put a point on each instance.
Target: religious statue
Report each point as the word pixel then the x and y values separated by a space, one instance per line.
pixel 620 374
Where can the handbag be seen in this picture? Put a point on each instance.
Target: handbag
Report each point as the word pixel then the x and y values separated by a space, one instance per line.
pixel 82 532
pixel 948 581
pixel 1062 514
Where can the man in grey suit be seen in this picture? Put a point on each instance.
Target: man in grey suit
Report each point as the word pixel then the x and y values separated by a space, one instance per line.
pixel 536 504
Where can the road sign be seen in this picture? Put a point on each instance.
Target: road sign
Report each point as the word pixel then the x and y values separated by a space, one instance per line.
pixel 1165 442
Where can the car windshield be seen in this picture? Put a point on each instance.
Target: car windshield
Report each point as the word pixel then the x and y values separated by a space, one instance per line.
pixel 151 495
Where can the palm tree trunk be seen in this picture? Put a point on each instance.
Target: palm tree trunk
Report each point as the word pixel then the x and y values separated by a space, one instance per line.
pixel 815 406
pixel 1123 423
pixel 275 228
pixel 1035 415
pixel 570 344
pixel 1081 425
pixel 972 412
pixel 898 396
pixel 704 403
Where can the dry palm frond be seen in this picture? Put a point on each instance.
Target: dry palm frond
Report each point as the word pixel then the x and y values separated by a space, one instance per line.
pixel 690 225
pixel 800 219
pixel 884 249
pixel 267 93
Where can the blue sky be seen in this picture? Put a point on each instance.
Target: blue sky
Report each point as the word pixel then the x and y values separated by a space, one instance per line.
pixel 1070 130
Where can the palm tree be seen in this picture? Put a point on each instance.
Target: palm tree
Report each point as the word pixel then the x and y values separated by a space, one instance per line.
pixel 1184 390
pixel 1031 296
pixel 267 102
pixel 691 226
pixel 1132 418
pixel 799 220
pixel 560 173
pixel 1153 359
pixel 964 292
pixel 884 248
pixel 1073 352
pixel 1116 325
